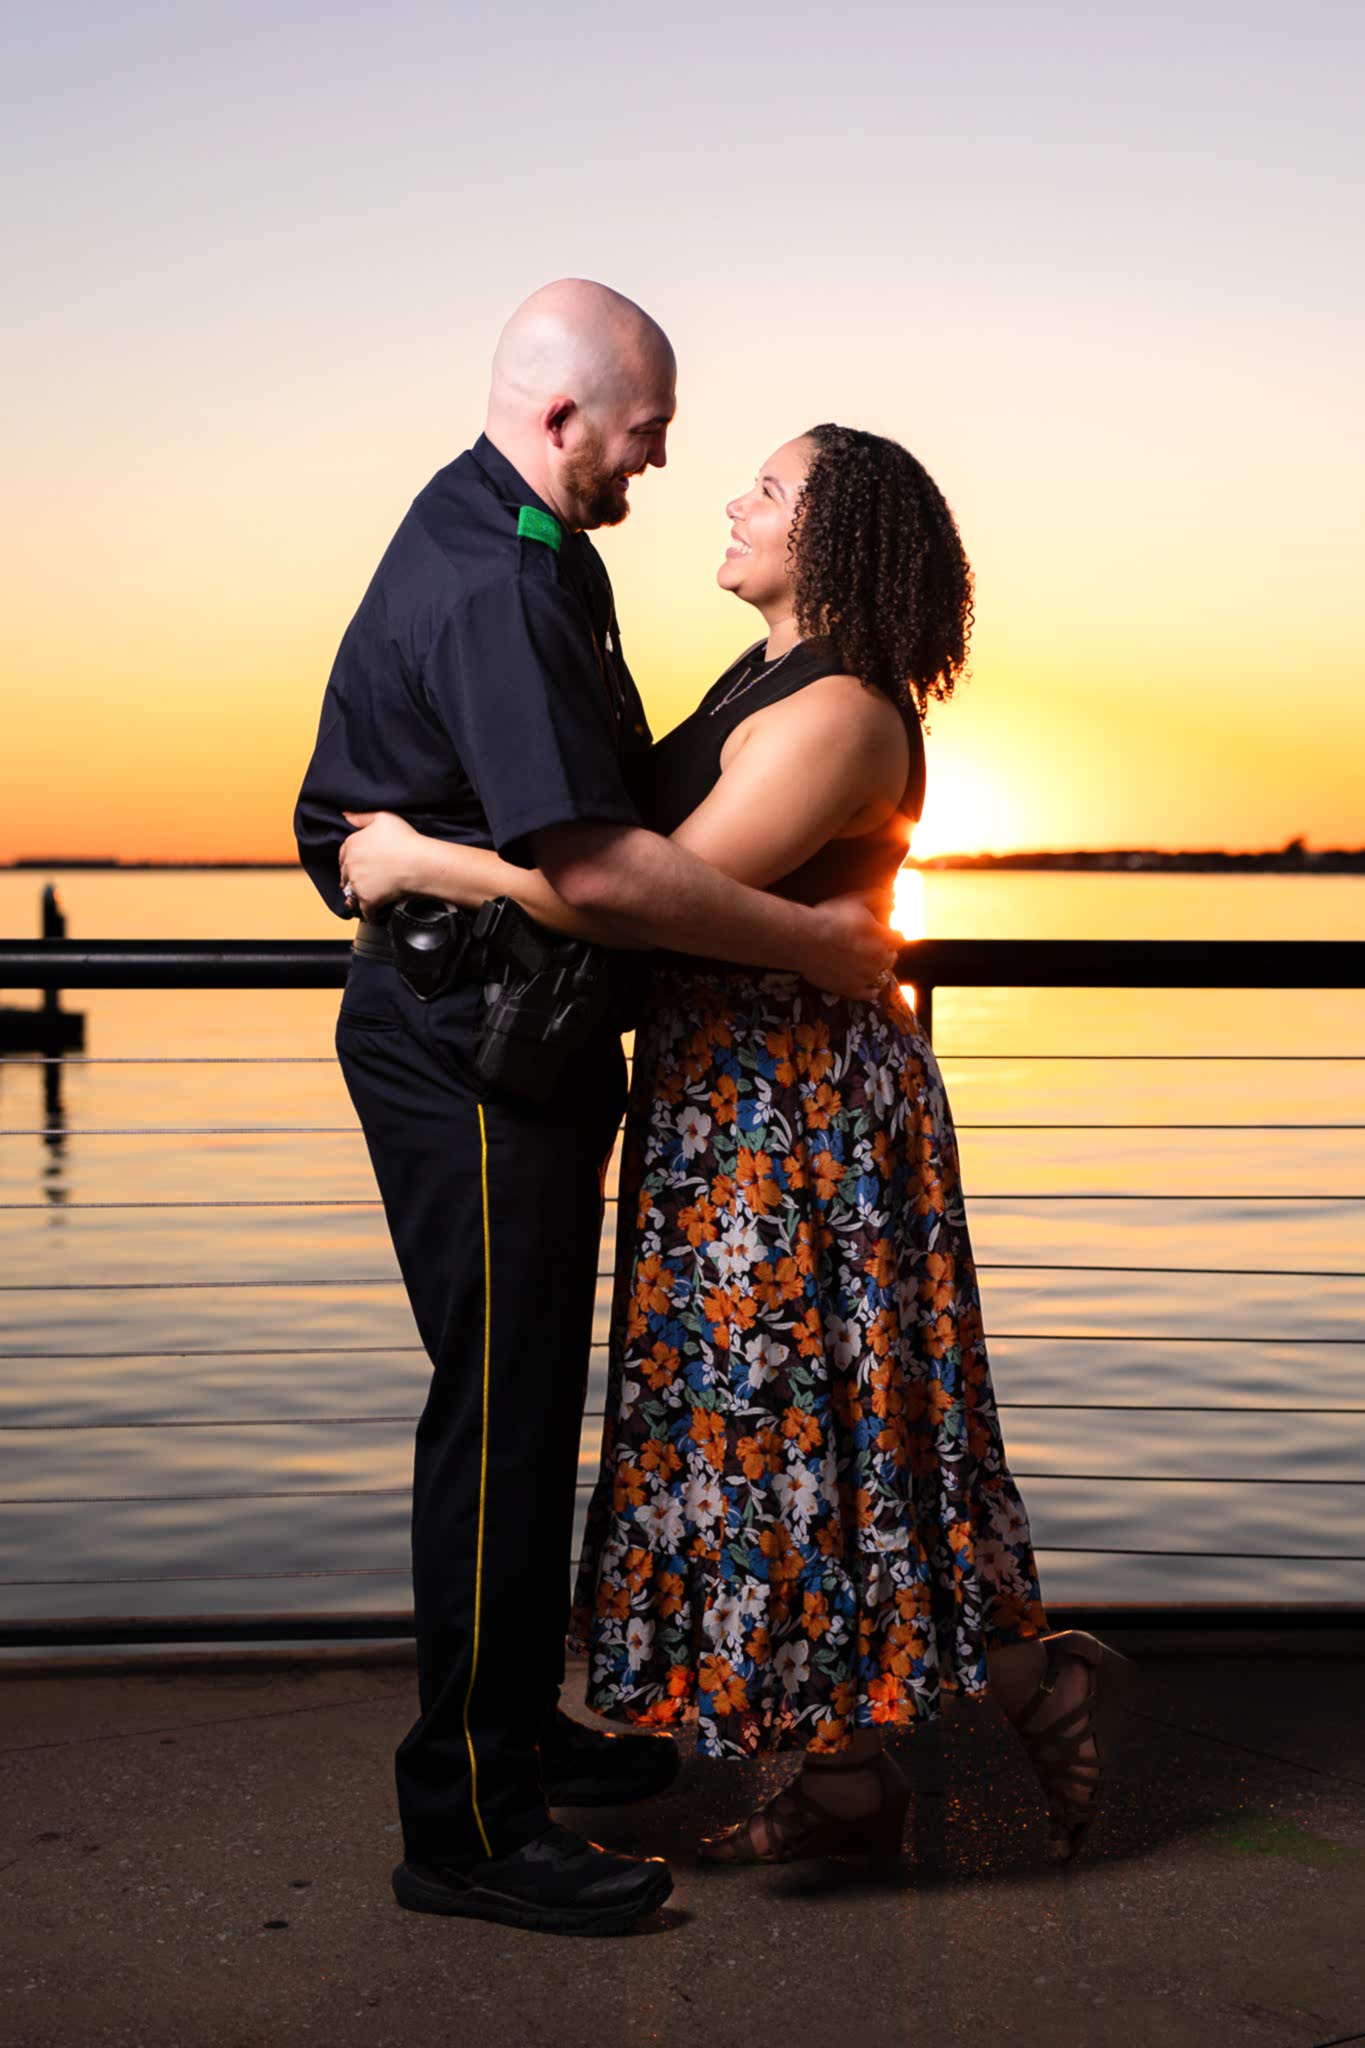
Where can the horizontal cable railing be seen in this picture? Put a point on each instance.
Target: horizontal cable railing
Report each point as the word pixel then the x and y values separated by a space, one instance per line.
pixel 69 965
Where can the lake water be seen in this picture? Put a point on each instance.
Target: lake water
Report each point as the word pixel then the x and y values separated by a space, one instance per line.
pixel 211 1373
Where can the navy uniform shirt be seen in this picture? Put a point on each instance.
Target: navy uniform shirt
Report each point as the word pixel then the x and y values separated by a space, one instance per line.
pixel 480 690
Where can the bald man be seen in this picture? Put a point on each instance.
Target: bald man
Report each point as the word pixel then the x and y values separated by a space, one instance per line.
pixel 480 693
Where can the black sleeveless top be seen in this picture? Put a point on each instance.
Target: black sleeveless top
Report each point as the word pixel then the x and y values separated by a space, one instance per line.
pixel 684 767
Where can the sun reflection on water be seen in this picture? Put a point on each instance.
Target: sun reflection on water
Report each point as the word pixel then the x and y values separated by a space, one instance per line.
pixel 907 911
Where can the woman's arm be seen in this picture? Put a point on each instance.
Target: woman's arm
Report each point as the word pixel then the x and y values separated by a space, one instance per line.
pixel 830 760
pixel 387 857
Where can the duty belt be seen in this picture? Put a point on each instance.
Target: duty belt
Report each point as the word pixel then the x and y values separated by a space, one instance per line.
pixel 431 942
pixel 372 941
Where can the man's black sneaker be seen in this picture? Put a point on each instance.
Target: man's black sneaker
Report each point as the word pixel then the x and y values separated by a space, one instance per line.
pixel 557 1883
pixel 582 1766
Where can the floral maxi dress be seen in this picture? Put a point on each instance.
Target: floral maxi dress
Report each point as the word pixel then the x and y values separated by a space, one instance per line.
pixel 804 1522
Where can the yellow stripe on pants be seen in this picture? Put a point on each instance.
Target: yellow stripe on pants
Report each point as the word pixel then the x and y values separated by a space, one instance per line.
pixel 483 1479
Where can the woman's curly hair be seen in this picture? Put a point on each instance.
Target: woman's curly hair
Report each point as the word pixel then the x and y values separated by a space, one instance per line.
pixel 879 566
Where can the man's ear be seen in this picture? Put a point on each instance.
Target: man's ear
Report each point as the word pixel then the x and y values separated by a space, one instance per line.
pixel 556 417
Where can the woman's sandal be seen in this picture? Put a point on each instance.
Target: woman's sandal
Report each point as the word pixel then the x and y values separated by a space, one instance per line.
pixel 1071 1781
pixel 793 1825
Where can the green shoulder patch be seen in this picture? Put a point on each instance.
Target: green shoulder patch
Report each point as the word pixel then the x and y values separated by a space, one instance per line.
pixel 533 524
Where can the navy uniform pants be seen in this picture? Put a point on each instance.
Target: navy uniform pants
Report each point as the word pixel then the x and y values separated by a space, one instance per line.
pixel 494 1203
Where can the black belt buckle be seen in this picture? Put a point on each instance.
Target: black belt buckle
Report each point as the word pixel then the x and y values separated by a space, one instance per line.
pixel 430 939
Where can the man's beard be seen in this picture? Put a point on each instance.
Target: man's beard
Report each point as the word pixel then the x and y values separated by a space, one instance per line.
pixel 600 493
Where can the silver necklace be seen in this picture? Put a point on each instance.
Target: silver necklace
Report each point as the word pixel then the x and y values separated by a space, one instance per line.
pixel 764 669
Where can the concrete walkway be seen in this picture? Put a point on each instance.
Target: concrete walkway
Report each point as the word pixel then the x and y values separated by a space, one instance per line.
pixel 198 1855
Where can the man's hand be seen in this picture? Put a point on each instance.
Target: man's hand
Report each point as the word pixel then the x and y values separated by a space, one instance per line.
pixel 854 952
pixel 382 859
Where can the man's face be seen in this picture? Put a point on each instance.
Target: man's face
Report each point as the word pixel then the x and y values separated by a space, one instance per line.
pixel 616 443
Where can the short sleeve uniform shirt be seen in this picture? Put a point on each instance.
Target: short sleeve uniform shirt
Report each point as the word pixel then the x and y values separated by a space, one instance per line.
pixel 480 690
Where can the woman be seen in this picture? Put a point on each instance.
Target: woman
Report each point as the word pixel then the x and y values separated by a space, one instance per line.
pixel 804 1526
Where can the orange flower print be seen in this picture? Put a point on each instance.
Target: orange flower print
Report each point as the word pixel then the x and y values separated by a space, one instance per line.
pixel 801 1429
pixel 828 1172
pixel 721 1307
pixel 708 1430
pixel 894 1440
pixel 888 1703
pixel 668 1595
pixel 725 1099
pixel 784 1560
pixel 754 1454
pixel 754 1175
pixel 939 1337
pixel 774 1284
pixel 718 1676
pixel 695 1222
pixel 661 1365
pixel 613 1601
pixel 813 1056
pixel 630 1487
pixel 821 1107
pixel 912 1602
pixel 809 1337
pixel 883 1332
pixel 650 1292
pixel 779 1045
pixel 882 1264
pixel 638 1565
pixel 829 1736
pixel 816 1616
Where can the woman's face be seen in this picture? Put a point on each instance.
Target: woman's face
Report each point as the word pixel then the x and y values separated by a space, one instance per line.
pixel 756 566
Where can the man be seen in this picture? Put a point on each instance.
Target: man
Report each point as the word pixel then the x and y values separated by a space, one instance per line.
pixel 480 692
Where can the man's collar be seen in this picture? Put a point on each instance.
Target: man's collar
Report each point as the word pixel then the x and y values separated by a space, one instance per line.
pixel 508 481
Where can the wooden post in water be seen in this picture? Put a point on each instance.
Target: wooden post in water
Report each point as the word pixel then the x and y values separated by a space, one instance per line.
pixel 54 927
pixel 49 1030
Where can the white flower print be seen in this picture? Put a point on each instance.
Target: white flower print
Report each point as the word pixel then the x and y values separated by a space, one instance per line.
pixel 798 1492
pixel 763 1357
pixel 703 1498
pixel 639 1640
pixel 693 1128
pixel 738 1249
pixel 790 1663
pixel 661 1522
pixel 723 1621
pixel 999 1564
pixel 881 1087
pixel 843 1340
pixel 1008 1519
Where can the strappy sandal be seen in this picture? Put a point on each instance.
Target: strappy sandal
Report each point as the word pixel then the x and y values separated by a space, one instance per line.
pixel 794 1825
pixel 1071 1781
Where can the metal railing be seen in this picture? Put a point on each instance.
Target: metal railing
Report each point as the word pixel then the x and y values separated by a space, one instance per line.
pixel 60 965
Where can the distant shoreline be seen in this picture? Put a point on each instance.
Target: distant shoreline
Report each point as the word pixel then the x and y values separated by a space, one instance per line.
pixel 1294 859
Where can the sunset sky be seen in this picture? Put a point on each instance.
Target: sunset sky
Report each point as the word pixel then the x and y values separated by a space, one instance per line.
pixel 1098 266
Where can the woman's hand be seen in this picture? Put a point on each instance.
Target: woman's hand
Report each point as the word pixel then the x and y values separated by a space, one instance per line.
pixel 382 859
